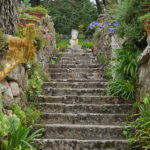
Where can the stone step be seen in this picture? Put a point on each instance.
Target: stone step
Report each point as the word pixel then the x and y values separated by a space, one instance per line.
pixel 75 84
pixel 82 132
pixel 85 108
pixel 91 62
pixel 74 58
pixel 94 75
pixel 78 80
pixel 75 70
pixel 75 144
pixel 71 66
pixel 82 55
pixel 81 99
pixel 74 91
pixel 84 118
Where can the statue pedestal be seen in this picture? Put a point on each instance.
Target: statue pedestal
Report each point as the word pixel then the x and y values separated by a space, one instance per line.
pixel 74 43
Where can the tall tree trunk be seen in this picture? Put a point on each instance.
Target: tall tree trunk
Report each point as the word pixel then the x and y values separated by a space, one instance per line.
pixel 8 16
pixel 107 2
pixel 104 2
pixel 99 9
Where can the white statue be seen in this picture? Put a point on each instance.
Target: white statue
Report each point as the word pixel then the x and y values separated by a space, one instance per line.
pixel 74 38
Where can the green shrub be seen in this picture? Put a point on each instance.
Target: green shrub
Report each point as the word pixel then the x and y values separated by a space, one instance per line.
pixel 1 104
pixel 122 88
pixel 32 115
pixel 126 63
pixel 102 59
pixel 62 45
pixel 81 36
pixel 142 124
pixel 34 88
pixel 85 44
pixel 125 69
pixel 45 77
pixel 108 72
pixel 146 17
pixel 39 42
pixel 36 9
pixel 20 139
pixel 126 13
pixel 25 4
pixel 20 114
pixel 8 124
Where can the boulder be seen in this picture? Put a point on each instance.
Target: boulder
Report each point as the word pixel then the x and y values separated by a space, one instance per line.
pixel 144 57
pixel 18 75
pixel 7 95
pixel 17 100
pixel 15 88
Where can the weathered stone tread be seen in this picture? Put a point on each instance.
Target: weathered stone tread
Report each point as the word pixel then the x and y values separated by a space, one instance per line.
pixel 85 118
pixel 83 108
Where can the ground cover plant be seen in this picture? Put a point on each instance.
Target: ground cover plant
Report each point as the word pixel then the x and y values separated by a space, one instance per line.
pixel 14 134
pixel 139 139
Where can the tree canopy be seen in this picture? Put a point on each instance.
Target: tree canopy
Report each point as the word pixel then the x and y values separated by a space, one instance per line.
pixel 69 14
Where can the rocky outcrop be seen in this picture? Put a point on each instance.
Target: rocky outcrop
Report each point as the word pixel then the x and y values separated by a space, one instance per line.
pixel 143 76
pixel 50 45
pixel 14 86
pixel 107 42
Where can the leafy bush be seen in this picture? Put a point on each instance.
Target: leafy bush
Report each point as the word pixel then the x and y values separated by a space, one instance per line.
pixel 68 15
pixel 1 104
pixel 32 115
pixel 20 139
pixel 142 124
pixel 126 13
pixel 85 44
pixel 62 45
pixel 36 9
pixel 39 42
pixel 37 76
pixel 34 88
pixel 126 63
pixel 8 124
pixel 20 114
pixel 45 77
pixel 102 59
pixel 108 71
pixel 125 69
pixel 123 88
pixel 25 4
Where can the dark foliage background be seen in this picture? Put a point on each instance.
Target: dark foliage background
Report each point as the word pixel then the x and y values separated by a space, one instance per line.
pixel 69 14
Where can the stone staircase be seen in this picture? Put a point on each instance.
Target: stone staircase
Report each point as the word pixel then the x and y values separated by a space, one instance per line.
pixel 75 111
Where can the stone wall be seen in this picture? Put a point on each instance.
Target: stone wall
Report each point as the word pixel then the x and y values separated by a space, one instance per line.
pixel 13 87
pixel 107 42
pixel 43 55
pixel 143 76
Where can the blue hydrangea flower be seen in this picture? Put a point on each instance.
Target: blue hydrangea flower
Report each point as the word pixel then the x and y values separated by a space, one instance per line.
pixel 107 15
pixel 66 36
pixel 111 30
pixel 115 24
pixel 93 24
